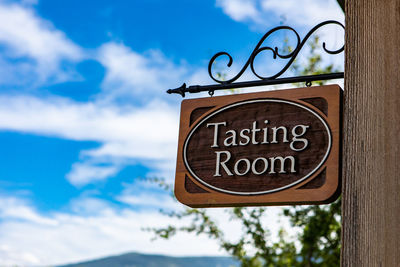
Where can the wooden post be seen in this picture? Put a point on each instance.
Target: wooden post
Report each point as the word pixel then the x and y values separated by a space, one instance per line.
pixel 371 173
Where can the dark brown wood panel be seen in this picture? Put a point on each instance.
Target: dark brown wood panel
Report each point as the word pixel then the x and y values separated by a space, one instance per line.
pixel 202 157
pixel 251 134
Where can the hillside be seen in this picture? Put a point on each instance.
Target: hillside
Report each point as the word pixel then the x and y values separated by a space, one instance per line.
pixel 144 260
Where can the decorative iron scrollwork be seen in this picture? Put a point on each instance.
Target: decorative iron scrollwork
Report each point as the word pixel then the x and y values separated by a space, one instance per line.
pixel 270 80
pixel 259 48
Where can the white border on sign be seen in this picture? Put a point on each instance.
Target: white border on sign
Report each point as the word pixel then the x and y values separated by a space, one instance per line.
pixel 250 102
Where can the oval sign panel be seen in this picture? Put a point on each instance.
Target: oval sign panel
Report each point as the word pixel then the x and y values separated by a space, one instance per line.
pixel 279 147
pixel 257 147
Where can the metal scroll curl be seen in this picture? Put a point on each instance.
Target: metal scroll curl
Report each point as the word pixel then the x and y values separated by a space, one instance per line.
pixel 263 80
pixel 275 51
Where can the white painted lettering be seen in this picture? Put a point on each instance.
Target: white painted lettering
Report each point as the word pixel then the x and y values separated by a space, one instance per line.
pixel 216 125
pixel 282 161
pixel 230 140
pixel 244 136
pixel 254 130
pixel 218 163
pixel 253 166
pixel 296 139
pixel 236 168
pixel 265 130
pixel 275 133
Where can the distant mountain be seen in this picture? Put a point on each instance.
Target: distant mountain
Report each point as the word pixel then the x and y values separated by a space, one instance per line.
pixel 144 260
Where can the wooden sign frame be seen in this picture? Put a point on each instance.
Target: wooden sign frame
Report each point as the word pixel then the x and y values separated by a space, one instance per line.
pixel 321 186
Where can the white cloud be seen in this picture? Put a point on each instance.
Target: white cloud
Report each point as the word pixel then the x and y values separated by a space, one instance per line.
pixel 88 205
pixel 64 118
pixel 240 10
pixel 148 200
pixel 130 73
pixel 148 195
pixel 148 133
pixel 17 209
pixel 37 43
pixel 260 12
pixel 311 13
pixel 95 229
pixel 85 173
pixel 83 236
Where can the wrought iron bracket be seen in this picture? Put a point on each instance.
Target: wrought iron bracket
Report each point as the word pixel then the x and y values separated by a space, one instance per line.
pixel 263 80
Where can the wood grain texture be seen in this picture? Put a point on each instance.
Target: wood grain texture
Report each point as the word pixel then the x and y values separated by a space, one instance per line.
pixel 371 173
pixel 200 156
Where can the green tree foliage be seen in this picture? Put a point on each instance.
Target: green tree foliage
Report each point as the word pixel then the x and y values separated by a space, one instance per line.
pixel 318 227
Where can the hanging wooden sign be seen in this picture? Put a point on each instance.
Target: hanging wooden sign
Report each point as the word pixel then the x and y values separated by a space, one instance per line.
pixel 269 148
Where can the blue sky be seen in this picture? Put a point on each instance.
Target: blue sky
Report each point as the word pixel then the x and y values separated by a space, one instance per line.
pixel 84 117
